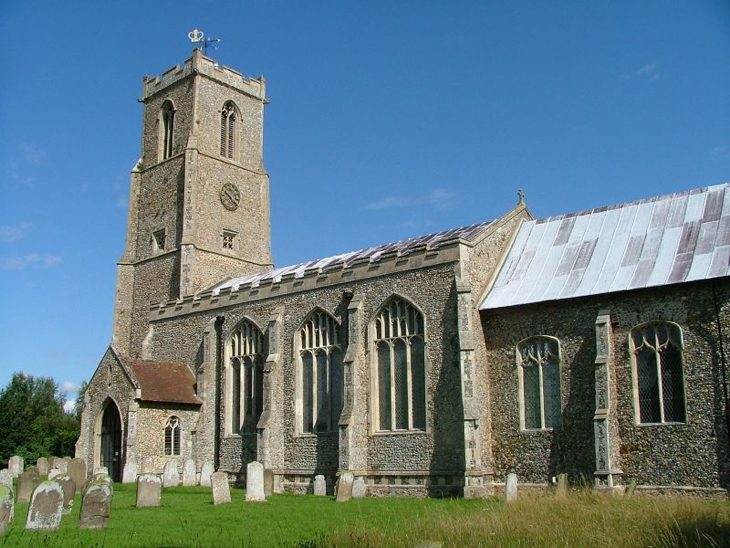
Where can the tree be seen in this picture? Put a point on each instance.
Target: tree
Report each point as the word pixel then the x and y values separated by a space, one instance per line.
pixel 34 423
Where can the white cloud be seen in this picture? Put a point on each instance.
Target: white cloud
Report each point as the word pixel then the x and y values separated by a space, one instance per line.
pixel 28 260
pixel 11 233
pixel 33 154
pixel 720 151
pixel 437 199
pixel 69 405
pixel 68 387
pixel 650 71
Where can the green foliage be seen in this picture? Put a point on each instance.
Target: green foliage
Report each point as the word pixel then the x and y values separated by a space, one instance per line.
pixel 34 423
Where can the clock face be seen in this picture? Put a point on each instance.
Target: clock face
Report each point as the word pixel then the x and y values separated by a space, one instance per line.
pixel 230 196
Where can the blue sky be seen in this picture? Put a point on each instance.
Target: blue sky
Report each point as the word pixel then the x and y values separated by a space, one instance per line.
pixel 388 119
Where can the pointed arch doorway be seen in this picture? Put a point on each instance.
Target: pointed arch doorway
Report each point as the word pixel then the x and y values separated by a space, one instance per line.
pixel 110 454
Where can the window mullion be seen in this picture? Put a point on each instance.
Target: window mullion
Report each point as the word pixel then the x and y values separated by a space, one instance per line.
pixel 328 381
pixel 660 384
pixel 409 384
pixel 541 394
pixel 393 410
pixel 315 390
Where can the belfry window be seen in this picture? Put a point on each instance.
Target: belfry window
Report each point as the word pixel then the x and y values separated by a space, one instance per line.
pixel 399 367
pixel 246 368
pixel 539 373
pixel 320 377
pixel 658 372
pixel 229 118
pixel 172 436
pixel 229 239
pixel 158 240
pixel 168 126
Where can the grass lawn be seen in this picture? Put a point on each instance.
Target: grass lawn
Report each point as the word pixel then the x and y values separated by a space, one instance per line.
pixel 187 517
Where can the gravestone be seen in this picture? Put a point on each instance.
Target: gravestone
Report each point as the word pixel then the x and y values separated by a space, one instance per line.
pixel 33 470
pixel 149 490
pixel 6 478
pixel 631 489
pixel 61 464
pixel 69 491
pixel 16 465
pixel 205 473
pixel 268 482
pixel 189 473
pixel 320 486
pixel 510 489
pixel 344 487
pixel 96 504
pixel 255 482
pixel 170 477
pixel 27 482
pixel 130 473
pixel 562 488
pixel 77 470
pixel 221 490
pixel 101 471
pixel 7 507
pixel 42 464
pixel 54 473
pixel 358 488
pixel 46 505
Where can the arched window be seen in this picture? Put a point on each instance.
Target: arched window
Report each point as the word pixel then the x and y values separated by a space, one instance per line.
pixel 658 372
pixel 229 117
pixel 172 436
pixel 399 367
pixel 539 372
pixel 246 359
pixel 167 129
pixel 320 374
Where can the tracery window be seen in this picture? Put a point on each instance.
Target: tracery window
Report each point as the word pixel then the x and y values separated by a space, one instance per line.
pixel 229 117
pixel 539 377
pixel 399 367
pixel 246 393
pixel 658 372
pixel 168 126
pixel 172 436
pixel 320 376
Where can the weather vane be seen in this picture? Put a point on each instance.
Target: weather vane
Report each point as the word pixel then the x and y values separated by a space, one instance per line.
pixel 201 41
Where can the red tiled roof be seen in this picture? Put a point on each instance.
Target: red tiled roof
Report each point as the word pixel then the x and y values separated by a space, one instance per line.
pixel 167 382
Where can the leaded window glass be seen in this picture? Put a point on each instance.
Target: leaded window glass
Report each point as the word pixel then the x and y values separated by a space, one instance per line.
pixel 539 369
pixel 228 131
pixel 245 352
pixel 168 125
pixel 172 436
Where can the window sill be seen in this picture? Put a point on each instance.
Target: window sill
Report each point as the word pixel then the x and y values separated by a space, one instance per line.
pixel 380 433
pixel 655 424
pixel 316 434
pixel 537 430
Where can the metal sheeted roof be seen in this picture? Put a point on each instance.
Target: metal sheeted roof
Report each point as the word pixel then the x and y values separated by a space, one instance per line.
pixel 371 255
pixel 669 239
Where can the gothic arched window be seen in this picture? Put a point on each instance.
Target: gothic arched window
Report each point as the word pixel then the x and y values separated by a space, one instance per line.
pixel 246 374
pixel 658 372
pixel 167 129
pixel 320 376
pixel 399 354
pixel 172 436
pixel 229 117
pixel 539 372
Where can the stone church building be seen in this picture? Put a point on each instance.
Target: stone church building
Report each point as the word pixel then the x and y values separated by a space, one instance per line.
pixel 593 344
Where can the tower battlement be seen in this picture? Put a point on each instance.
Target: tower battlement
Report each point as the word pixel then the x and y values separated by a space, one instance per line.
pixel 200 64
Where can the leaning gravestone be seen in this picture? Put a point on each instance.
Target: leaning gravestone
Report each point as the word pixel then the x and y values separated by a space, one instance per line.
pixel 149 490
pixel 358 488
pixel 69 491
pixel 205 472
pixel 511 487
pixel 16 465
pixel 320 486
pixel 96 504
pixel 189 473
pixel 255 482
pixel 170 477
pixel 61 464
pixel 77 470
pixel 101 471
pixel 7 508
pixel 27 482
pixel 221 490
pixel 344 487
pixel 562 489
pixel 268 482
pixel 6 478
pixel 46 505
pixel 54 473
pixel 42 464
pixel 130 473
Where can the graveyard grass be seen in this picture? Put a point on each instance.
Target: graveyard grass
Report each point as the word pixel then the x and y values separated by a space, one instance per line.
pixel 187 517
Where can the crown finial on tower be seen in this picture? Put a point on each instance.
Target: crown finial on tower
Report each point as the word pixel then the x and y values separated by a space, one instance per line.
pixel 200 41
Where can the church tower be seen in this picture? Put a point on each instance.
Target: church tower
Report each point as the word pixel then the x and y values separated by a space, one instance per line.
pixel 199 195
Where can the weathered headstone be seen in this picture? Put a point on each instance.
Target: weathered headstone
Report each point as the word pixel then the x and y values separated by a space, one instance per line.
pixel 511 487
pixel 320 486
pixel 76 468
pixel 96 504
pixel 27 482
pixel 631 489
pixel 255 482
pixel 69 491
pixel 205 473
pixel 268 482
pixel 562 487
pixel 170 477
pixel 42 464
pixel 6 478
pixel 130 473
pixel 7 507
pixel 189 473
pixel 101 471
pixel 221 489
pixel 16 465
pixel 344 487
pixel 61 464
pixel 54 473
pixel 358 488
pixel 149 490
pixel 33 470
pixel 46 505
